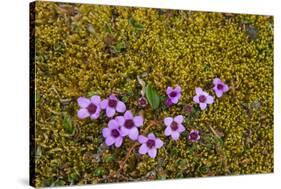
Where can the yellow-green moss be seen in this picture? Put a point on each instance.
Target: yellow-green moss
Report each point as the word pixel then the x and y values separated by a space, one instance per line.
pixel 76 56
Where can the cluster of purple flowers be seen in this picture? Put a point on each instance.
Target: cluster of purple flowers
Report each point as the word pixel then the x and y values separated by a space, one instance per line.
pixel 128 125
pixel 120 126
pixel 203 98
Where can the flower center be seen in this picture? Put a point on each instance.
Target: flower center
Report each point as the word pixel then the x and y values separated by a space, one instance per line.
pixel 92 108
pixel 174 126
pixel 115 133
pixel 112 103
pixel 202 98
pixel 220 86
pixel 129 124
pixel 193 136
pixel 150 143
pixel 173 94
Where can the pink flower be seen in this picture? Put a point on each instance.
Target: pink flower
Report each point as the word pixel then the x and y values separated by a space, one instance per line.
pixel 168 102
pixel 202 98
pixel 113 104
pixel 129 124
pixel 113 134
pixel 150 144
pixel 174 94
pixel 89 107
pixel 219 87
pixel 194 136
pixel 174 126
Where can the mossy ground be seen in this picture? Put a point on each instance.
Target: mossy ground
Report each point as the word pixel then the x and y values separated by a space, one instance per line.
pixel 83 50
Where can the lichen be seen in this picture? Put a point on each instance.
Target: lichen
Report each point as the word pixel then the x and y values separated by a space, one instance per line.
pixel 82 50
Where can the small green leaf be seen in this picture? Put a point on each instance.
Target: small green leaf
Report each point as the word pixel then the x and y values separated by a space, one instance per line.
pixel 135 24
pixel 152 96
pixel 119 47
pixel 67 123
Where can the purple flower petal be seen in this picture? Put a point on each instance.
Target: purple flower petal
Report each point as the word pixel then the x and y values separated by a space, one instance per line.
pixel 124 131
pixel 198 90
pixel 113 97
pixel 120 120
pixel 142 139
pixel 95 99
pixel 143 149
pixel 121 107
pixel 168 121
pixel 83 102
pixel 151 136
pixel 175 135
pixel 109 141
pixel 203 106
pixel 83 113
pixel 95 115
pixel 133 133
pixel 110 112
pixel 179 119
pixel 218 93
pixel 196 99
pixel 205 93
pixel 113 124
pixel 118 142
pixel 168 131
pixel 181 128
pixel 158 143
pixel 168 102
pixel 174 100
pixel 105 132
pixel 104 104
pixel 216 81
pixel 128 115
pixel 152 152
pixel 210 100
pixel 226 88
pixel 138 120
pixel 169 90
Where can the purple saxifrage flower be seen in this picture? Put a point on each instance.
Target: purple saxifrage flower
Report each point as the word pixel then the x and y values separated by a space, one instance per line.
pixel 219 87
pixel 174 94
pixel 174 126
pixel 113 134
pixel 202 98
pixel 129 124
pixel 113 104
pixel 149 145
pixel 194 135
pixel 168 102
pixel 89 107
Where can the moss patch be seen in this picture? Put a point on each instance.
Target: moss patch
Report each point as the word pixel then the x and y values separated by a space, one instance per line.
pixel 83 50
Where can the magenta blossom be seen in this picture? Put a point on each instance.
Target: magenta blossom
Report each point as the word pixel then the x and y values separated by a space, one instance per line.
pixel 174 94
pixel 194 135
pixel 113 104
pixel 174 126
pixel 202 98
pixel 113 134
pixel 168 102
pixel 129 124
pixel 219 87
pixel 89 107
pixel 149 145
